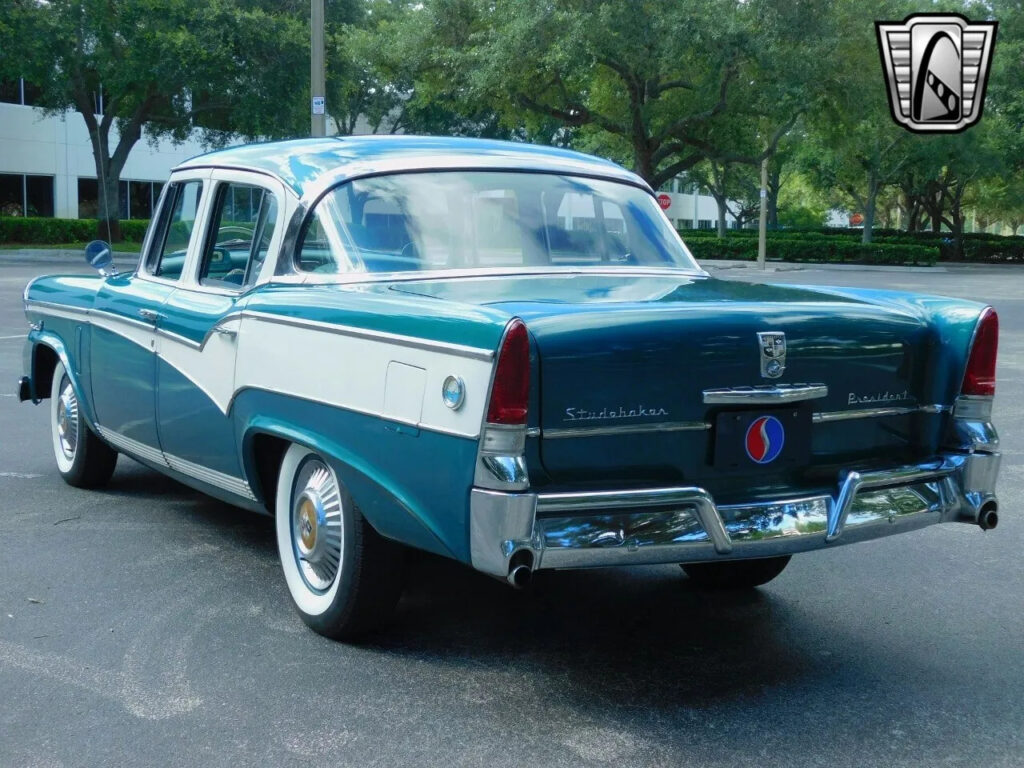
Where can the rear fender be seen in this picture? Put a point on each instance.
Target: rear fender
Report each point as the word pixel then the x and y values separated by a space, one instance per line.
pixel 390 514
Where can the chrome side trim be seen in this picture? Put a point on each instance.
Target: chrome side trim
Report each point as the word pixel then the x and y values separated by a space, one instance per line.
pixel 171 335
pixel 235 485
pixel 625 429
pixel 765 395
pixel 870 413
pixel 474 353
pixel 350 278
pixel 121 318
pixel 52 308
pixel 133 447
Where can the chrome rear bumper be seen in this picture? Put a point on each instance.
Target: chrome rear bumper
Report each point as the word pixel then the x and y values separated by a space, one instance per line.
pixel 684 525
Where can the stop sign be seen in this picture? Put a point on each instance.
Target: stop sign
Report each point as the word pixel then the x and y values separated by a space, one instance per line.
pixel 665 202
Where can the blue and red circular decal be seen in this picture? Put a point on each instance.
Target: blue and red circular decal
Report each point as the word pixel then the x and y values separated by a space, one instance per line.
pixel 764 440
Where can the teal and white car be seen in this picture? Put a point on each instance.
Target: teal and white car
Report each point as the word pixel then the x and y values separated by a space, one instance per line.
pixel 502 354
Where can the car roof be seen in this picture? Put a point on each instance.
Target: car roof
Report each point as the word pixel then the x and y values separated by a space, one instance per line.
pixel 309 166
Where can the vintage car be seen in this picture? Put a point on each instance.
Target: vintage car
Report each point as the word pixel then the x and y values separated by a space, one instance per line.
pixel 503 354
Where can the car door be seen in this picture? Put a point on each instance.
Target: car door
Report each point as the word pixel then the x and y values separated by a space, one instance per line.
pixel 197 338
pixel 126 315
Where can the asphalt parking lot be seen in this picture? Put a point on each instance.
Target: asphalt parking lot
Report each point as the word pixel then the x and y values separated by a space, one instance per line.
pixel 146 624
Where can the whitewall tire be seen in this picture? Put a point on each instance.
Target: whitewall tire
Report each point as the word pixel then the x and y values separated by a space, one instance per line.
pixel 343 577
pixel 83 460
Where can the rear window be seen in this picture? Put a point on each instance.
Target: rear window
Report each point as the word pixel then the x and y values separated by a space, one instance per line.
pixel 466 220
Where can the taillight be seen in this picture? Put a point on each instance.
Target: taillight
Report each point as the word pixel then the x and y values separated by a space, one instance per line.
pixel 980 378
pixel 511 389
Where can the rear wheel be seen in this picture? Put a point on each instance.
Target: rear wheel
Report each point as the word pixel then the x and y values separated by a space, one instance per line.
pixel 343 577
pixel 736 574
pixel 83 460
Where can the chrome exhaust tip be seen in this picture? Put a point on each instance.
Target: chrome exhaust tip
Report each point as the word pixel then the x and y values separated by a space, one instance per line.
pixel 519 576
pixel 988 515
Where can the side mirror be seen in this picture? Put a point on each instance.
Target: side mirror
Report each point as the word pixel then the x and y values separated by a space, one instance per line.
pixel 101 257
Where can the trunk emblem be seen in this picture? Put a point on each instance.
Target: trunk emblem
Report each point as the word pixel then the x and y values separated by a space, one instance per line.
pixel 764 439
pixel 773 353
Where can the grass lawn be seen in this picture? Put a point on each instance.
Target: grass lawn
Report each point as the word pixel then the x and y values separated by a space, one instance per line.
pixel 118 247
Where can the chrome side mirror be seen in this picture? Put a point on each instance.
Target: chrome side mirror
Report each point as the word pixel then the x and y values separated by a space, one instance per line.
pixel 100 257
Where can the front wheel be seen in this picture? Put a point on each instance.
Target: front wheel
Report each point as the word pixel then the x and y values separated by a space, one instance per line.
pixel 83 460
pixel 343 577
pixel 736 574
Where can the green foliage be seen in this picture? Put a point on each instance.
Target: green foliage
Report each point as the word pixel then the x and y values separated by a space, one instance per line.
pixel 815 250
pixel 20 229
pixel 800 216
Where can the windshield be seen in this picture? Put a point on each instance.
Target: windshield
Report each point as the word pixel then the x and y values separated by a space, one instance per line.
pixel 466 220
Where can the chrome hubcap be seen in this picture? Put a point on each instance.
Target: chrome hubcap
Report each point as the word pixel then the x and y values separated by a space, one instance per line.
pixel 316 525
pixel 67 419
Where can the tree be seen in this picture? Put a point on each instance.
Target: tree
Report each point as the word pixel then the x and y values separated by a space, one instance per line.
pixel 630 79
pixel 158 67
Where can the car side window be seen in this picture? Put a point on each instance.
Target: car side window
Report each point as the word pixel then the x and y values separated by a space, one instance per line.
pixel 238 239
pixel 176 229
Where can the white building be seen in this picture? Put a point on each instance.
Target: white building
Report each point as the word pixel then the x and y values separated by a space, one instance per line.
pixel 47 166
pixel 47 169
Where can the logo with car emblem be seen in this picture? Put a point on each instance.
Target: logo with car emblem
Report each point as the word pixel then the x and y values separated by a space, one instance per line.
pixel 764 439
pixel 936 68
pixel 773 353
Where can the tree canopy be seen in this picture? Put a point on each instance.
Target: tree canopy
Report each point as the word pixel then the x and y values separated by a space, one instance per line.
pixel 707 89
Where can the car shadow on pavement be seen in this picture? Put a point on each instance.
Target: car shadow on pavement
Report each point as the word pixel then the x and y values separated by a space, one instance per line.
pixel 637 636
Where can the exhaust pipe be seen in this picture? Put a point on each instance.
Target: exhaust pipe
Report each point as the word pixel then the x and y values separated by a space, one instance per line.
pixel 988 516
pixel 519 576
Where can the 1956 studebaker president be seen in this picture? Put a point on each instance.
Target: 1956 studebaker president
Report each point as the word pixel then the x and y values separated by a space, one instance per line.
pixel 503 354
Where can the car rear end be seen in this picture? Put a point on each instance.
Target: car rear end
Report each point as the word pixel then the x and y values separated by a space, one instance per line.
pixel 653 431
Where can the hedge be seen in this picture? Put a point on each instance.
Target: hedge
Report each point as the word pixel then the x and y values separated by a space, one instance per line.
pixel 977 246
pixel 833 250
pixel 28 229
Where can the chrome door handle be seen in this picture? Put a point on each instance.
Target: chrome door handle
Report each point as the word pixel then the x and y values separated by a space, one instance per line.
pixel 149 315
pixel 229 332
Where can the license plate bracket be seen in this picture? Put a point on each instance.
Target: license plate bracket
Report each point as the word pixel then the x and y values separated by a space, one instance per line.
pixel 762 440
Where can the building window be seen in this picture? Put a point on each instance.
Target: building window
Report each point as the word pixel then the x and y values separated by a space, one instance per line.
pixel 684 224
pixel 10 91
pixel 704 224
pixel 24 195
pixel 39 196
pixel 138 198
pixel 17 91
pixel 12 201
pixel 88 199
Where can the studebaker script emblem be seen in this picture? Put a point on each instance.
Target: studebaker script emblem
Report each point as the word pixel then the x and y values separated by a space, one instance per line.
pixel 773 353
pixel 613 413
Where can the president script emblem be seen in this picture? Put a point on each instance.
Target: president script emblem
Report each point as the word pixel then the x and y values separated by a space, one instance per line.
pixel 773 353
pixel 936 68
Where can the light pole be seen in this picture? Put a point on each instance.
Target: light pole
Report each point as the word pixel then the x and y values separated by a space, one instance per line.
pixel 317 78
pixel 762 224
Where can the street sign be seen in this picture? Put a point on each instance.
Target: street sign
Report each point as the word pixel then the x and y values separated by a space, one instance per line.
pixel 664 201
